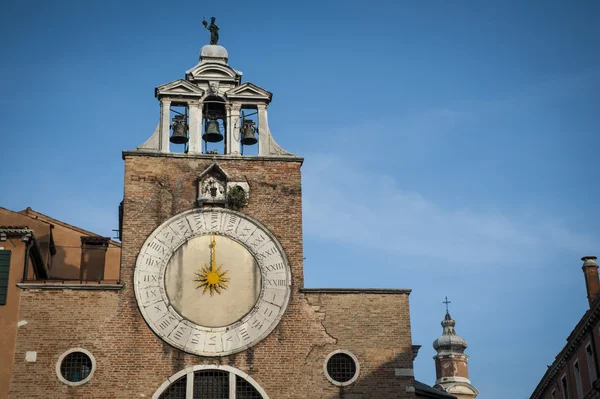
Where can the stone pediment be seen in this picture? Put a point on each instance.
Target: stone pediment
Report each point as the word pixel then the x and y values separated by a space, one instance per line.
pixel 211 72
pixel 249 91
pixel 178 88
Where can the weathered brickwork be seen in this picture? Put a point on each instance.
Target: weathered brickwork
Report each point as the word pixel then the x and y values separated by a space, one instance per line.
pixel 132 362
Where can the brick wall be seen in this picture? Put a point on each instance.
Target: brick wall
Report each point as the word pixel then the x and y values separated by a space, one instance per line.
pixel 133 362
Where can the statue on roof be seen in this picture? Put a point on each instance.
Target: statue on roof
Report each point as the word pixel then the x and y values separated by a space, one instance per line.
pixel 213 29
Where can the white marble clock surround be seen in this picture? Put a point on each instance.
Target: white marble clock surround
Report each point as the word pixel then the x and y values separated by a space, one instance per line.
pixel 156 256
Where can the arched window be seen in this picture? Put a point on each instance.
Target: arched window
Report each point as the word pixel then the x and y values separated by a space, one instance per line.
pixel 210 382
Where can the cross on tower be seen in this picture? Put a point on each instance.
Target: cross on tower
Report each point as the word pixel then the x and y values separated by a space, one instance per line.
pixel 446 302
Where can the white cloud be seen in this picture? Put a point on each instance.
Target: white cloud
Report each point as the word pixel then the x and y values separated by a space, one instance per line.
pixel 354 206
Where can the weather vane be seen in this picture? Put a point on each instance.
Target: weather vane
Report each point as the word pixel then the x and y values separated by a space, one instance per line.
pixel 213 29
pixel 447 302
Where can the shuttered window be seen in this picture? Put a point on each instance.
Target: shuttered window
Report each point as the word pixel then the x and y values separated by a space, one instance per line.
pixel 4 268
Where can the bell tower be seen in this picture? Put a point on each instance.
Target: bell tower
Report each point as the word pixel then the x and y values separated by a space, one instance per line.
pixel 211 111
pixel 451 368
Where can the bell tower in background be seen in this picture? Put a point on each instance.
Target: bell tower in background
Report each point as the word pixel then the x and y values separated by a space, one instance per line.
pixel 451 366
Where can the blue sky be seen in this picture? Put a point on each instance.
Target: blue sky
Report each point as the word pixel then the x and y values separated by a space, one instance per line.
pixel 450 147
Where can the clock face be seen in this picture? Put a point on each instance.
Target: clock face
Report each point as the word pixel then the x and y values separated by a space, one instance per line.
pixel 212 282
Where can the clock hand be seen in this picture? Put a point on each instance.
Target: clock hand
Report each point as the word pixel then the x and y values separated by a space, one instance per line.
pixel 213 261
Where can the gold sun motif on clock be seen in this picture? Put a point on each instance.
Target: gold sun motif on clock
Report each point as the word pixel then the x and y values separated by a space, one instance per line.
pixel 211 277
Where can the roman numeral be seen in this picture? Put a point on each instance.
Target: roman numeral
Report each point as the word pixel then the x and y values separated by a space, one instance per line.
pixel 150 261
pixel 183 227
pixel 168 237
pixel 195 339
pixel 257 324
pixel 265 254
pixel 257 241
pixel 245 232
pixel 178 334
pixel 150 278
pixel 275 267
pixel 214 221
pixel 155 245
pixel 231 221
pixel 276 283
pixel 244 334
pixel 198 222
pixel 165 323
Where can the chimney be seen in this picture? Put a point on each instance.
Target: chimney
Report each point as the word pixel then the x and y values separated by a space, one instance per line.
pixel 590 271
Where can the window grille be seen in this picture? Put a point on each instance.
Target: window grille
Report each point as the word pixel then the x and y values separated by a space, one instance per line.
pixel 341 367
pixel 76 366
pixel 176 390
pixel 4 269
pixel 211 384
pixel 245 390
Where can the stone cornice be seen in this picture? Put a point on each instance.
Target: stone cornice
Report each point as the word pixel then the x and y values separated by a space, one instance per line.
pixel 396 291
pixel 68 286
pixel 574 340
pixel 213 157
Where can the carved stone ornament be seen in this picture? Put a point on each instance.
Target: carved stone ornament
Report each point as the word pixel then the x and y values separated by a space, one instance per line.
pixel 212 190
pixel 212 186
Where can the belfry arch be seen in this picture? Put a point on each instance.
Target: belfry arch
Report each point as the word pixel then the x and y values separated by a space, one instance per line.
pixel 210 382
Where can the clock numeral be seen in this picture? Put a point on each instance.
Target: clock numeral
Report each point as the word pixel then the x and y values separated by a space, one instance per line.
pixel 276 283
pixel 214 221
pixel 199 222
pixel 151 261
pixel 265 254
pixel 257 241
pixel 150 278
pixel 184 228
pixel 231 222
pixel 245 232
pixel 195 340
pixel 257 324
pixel 168 237
pixel 155 245
pixel 275 267
pixel 166 323
pixel 178 334
pixel 244 333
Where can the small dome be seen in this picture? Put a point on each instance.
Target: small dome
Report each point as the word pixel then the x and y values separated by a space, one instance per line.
pixel 449 341
pixel 213 53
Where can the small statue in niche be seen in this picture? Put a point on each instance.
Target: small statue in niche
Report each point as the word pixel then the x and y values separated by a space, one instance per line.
pixel 213 29
pixel 212 189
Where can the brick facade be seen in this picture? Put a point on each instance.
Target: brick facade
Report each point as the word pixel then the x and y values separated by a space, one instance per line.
pixel 132 362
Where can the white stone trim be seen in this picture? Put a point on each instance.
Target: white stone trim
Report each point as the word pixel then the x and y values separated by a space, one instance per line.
pixel 356 374
pixel 404 372
pixel 445 380
pixel 86 379
pixel 189 372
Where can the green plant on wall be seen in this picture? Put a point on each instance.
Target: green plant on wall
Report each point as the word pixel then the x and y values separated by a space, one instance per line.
pixel 236 198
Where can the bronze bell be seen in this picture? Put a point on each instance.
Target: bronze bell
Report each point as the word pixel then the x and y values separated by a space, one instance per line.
pixel 248 130
pixel 179 127
pixel 212 132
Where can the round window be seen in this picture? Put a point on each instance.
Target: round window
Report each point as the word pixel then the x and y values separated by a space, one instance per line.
pixel 75 366
pixel 341 368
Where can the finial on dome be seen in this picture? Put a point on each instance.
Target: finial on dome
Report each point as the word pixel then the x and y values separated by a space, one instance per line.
pixel 447 302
